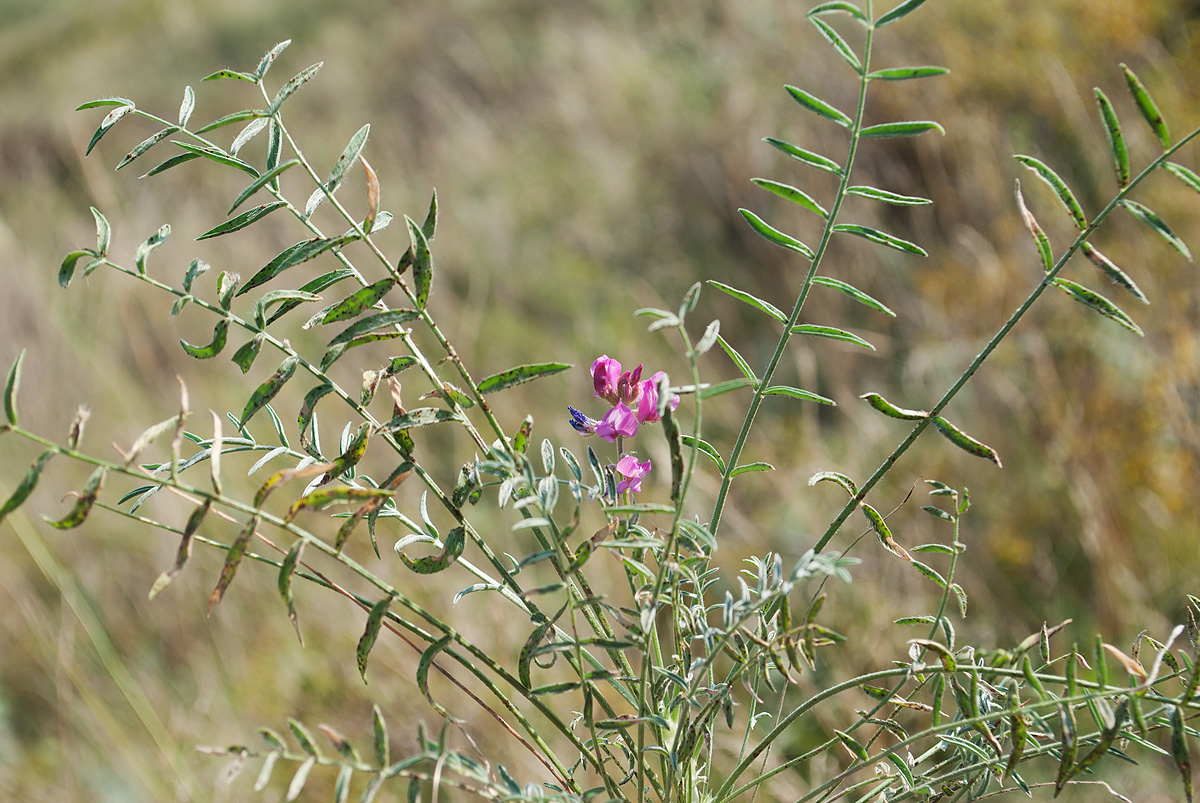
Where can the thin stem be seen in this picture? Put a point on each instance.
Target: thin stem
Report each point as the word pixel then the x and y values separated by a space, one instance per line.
pixel 818 255
pixel 996 339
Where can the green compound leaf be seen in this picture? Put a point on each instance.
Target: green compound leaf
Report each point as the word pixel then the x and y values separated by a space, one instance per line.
pixel 754 301
pixel 248 133
pixel 881 237
pixel 883 533
pixel 153 241
pixel 264 304
pixel 214 155
pixel 839 43
pixel 706 448
pixel 1179 750
pixel 420 417
pixel 429 227
pixel 289 89
pixel 286 570
pixel 740 362
pixel 1183 174
pixel 1113 272
pixel 792 194
pixel 103 232
pixel 174 161
pixel 456 541
pixel 381 736
pixel 1098 303
pixel 832 333
pixel 27 485
pixel 342 495
pixel 318 284
pixel 807 157
pixel 244 357
pixel 187 105
pixel 818 106
pixel 294 255
pixel 892 411
pixel 371 323
pixel 902 10
pixel 195 270
pixel 230 119
pixel 269 389
pixel 262 181
pixel 349 155
pixel 1147 107
pixel 233 558
pixel 1116 139
pixel 853 292
pixel 11 385
pixel 352 306
pixel 83 503
pixel 835 477
pixel 185 548
pixel 108 122
pixel 1068 746
pixel 965 442
pixel 748 467
pixel 929 573
pixel 1052 179
pixel 220 333
pixel 243 220
pixel 112 100
pixel 230 74
pixel 1147 216
pixel 370 634
pixel 66 271
pixel 909 128
pixel 520 374
pixel 797 393
pixel 423 666
pixel 268 59
pixel 856 749
pixel 887 197
pixel 840 6
pixel 906 73
pixel 775 236
pixel 1040 240
pixel 422 262
pixel 146 144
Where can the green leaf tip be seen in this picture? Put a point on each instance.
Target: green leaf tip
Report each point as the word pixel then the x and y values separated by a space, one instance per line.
pixel 1147 107
pixel 11 386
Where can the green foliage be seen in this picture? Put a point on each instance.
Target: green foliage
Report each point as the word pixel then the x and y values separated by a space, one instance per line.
pixel 628 677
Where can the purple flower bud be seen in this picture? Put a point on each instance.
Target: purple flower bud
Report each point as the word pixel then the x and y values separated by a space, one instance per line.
pixel 583 425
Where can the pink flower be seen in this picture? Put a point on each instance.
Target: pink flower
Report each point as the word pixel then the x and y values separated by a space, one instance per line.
pixel 648 403
pixel 619 422
pixel 631 472
pixel 613 386
pixel 606 373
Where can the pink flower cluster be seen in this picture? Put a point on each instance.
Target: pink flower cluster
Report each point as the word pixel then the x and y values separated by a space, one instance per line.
pixel 634 402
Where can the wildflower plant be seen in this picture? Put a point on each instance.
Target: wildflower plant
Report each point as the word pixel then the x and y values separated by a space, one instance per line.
pixel 669 682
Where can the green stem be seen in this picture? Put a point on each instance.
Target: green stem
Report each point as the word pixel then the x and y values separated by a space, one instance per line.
pixel 996 339
pixel 793 319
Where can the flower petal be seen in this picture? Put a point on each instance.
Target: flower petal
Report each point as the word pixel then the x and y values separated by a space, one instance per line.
pixel 619 422
pixel 606 372
pixel 631 472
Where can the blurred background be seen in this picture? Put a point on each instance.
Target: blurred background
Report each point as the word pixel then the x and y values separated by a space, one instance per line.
pixel 590 159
